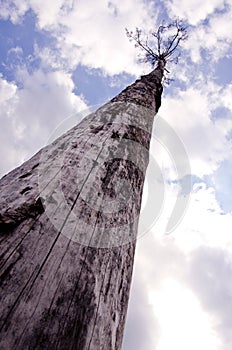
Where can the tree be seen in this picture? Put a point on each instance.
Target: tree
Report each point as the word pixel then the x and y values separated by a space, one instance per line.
pixel 161 46
pixel 69 218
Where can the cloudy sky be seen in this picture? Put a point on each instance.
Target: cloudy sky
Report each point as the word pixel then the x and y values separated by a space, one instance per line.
pixel 58 58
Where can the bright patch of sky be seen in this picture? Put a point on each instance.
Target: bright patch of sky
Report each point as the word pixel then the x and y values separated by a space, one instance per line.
pixel 86 80
pixel 17 45
pixel 58 57
pixel 223 183
pixel 180 324
pixel 223 72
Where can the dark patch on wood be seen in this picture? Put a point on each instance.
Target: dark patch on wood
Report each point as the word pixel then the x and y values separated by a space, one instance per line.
pixel 37 207
pixel 144 92
pixel 25 190
pixel 115 171
pixel 97 129
pixel 7 271
pixel 158 97
pixel 25 175
pixel 65 325
pixel 108 286
pixel 115 135
pixel 51 200
pixel 11 219
pixel 6 227
pixel 35 166
pixel 124 169
pixel 138 135
pixel 121 282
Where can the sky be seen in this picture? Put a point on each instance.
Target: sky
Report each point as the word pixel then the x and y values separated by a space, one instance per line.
pixel 60 57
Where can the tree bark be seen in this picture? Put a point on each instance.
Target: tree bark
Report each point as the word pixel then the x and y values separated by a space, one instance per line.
pixel 68 224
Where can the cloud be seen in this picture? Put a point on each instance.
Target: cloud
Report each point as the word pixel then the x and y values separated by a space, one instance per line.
pixel 142 328
pixel 77 26
pixel 209 270
pixel 181 318
pixel 222 182
pixel 185 280
pixel 193 10
pixel 87 23
pixel 8 100
pixel 7 91
pixel 211 41
pixel 156 259
pixel 189 113
pixel 204 222
pixel 29 114
pixel 186 273
pixel 46 11
pixel 13 10
pixel 226 97
pixel 164 272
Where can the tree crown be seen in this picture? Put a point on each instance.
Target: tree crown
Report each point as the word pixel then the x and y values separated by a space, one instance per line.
pixel 161 45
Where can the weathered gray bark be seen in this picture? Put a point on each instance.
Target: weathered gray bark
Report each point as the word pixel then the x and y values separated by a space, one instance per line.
pixel 67 242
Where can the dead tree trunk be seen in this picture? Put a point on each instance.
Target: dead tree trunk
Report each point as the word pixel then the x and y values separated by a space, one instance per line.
pixel 68 223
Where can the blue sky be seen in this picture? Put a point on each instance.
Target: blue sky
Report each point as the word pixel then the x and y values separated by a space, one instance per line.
pixel 56 59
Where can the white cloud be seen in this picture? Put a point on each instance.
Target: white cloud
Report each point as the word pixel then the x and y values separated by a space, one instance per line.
pixel 208 277
pixel 193 10
pixel 213 36
pixel 87 32
pixel 97 34
pixel 142 329
pixel 8 99
pixel 46 11
pixel 165 273
pixel 189 112
pixel 204 223
pixel 77 27
pixel 185 277
pixel 222 182
pixel 181 318
pixel 226 97
pixel 7 90
pixel 28 115
pixel 13 10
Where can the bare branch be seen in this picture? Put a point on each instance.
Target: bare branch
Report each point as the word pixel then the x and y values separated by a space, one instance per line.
pixel 160 45
pixel 137 38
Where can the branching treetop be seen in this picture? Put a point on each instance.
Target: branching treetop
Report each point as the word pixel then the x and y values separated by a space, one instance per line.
pixel 161 45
